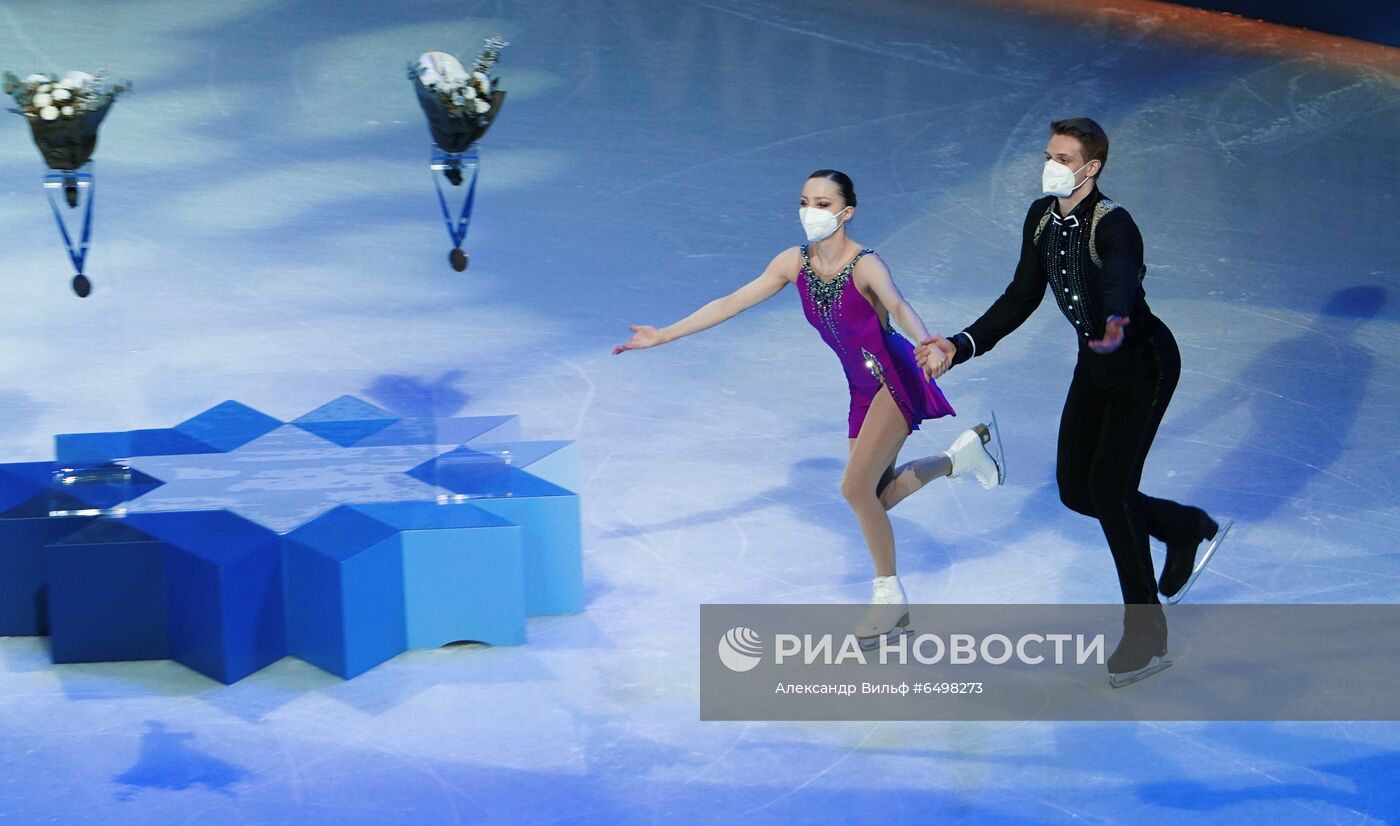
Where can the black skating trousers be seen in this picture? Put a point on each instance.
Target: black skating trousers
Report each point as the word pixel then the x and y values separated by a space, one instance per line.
pixel 1114 406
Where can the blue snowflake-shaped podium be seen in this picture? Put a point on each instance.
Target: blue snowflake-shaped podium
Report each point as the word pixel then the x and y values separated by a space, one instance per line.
pixel 343 538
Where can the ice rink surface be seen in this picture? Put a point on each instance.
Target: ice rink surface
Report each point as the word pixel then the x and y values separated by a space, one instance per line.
pixel 267 232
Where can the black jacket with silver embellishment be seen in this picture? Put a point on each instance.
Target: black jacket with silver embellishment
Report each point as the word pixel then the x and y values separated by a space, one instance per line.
pixel 1109 267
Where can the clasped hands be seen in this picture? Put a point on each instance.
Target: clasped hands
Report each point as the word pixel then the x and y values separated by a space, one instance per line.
pixel 935 355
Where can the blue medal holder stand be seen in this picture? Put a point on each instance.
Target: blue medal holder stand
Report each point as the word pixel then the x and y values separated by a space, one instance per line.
pixel 468 163
pixel 56 183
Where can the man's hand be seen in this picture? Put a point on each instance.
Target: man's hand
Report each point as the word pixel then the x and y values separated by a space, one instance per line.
pixel 935 355
pixel 1112 335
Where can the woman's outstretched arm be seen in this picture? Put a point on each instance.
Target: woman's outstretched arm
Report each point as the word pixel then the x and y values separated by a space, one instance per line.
pixel 773 278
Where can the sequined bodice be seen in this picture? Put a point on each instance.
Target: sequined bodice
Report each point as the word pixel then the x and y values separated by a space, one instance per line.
pixel 872 355
pixel 845 319
pixel 825 293
pixel 827 297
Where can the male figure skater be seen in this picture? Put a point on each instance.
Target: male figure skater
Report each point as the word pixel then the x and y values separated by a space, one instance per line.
pixel 1087 249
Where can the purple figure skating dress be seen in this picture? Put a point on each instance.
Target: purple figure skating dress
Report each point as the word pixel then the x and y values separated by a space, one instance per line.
pixel 870 354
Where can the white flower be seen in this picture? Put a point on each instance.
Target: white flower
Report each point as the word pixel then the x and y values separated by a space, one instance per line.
pixel 48 113
pixel 44 87
pixel 77 80
pixel 436 67
pixel 37 78
pixel 482 107
pixel 483 81
pixel 61 94
pixel 469 93
pixel 41 100
pixel 67 111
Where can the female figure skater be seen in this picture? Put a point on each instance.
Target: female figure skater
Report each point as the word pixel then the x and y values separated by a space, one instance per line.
pixel 849 297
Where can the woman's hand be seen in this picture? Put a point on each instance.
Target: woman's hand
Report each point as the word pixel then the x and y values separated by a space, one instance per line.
pixel 643 336
pixel 935 355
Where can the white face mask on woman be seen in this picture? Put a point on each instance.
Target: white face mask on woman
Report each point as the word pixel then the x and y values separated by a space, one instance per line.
pixel 1057 179
pixel 819 223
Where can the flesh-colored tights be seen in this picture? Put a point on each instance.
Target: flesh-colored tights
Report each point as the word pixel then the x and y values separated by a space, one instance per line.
pixel 872 484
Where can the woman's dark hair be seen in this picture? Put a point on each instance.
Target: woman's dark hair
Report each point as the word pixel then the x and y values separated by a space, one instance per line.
pixel 842 181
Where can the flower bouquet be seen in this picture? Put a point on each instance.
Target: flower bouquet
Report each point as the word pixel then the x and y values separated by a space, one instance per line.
pixel 460 104
pixel 64 113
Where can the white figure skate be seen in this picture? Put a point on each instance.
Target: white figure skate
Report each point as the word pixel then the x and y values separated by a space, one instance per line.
pixel 978 451
pixel 888 617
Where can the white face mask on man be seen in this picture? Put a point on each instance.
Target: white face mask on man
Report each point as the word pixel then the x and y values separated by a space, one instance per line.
pixel 819 223
pixel 1057 179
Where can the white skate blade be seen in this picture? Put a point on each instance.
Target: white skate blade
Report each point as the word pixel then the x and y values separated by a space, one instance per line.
pixel 1202 562
pixel 995 450
pixel 989 443
pixel 1130 677
pixel 900 629
pixel 872 643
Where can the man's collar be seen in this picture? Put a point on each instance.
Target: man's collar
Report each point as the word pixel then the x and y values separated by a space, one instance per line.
pixel 1080 213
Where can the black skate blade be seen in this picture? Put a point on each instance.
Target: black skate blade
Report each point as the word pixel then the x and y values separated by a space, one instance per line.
pixel 1202 562
pixel 1130 677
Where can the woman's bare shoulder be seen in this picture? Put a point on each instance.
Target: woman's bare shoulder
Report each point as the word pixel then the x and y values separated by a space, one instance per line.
pixel 871 265
pixel 787 263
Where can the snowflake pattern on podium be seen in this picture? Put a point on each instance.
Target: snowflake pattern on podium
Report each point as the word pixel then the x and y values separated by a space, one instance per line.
pixel 343 537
